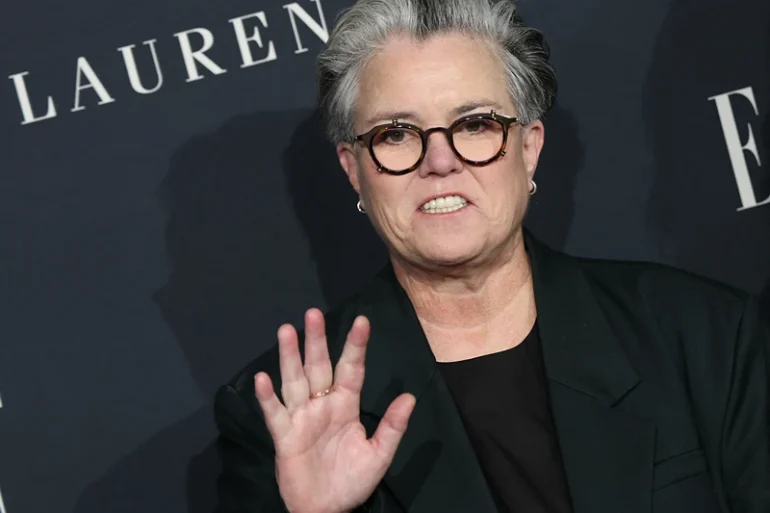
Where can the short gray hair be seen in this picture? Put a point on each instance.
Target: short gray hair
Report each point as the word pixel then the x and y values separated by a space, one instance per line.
pixel 364 28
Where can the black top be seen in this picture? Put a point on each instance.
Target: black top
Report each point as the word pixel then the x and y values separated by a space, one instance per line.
pixel 503 401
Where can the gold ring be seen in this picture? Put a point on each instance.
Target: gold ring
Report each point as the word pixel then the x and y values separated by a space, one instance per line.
pixel 321 394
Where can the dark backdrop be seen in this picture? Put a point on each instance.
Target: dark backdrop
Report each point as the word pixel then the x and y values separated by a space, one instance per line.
pixel 152 244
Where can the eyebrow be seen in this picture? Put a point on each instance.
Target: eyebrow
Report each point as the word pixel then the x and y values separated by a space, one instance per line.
pixel 465 108
pixel 471 106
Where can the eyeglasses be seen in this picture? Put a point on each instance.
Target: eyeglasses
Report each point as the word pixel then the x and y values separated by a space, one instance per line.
pixel 399 148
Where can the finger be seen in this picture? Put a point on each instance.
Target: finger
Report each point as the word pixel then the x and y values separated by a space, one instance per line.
pixel 276 416
pixel 318 366
pixel 392 427
pixel 294 387
pixel 349 372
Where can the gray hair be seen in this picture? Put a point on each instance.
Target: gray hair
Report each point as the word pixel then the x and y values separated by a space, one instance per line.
pixel 364 28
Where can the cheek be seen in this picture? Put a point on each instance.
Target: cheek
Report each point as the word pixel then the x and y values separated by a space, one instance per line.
pixel 386 196
pixel 506 189
pixel 505 178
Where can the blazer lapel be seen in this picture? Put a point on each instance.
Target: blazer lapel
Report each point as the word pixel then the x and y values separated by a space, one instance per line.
pixel 607 453
pixel 435 467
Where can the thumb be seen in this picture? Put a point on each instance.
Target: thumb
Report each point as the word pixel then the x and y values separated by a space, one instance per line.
pixel 392 427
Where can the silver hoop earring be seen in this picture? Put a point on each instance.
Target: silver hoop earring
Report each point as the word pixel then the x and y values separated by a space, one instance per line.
pixel 360 208
pixel 533 189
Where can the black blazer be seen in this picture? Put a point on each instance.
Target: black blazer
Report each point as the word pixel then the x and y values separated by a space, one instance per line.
pixel 658 383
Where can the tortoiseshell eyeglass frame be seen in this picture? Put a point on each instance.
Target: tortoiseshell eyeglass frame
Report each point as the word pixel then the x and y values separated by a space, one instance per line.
pixel 368 139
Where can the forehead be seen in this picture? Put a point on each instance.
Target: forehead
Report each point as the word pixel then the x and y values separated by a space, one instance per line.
pixel 430 78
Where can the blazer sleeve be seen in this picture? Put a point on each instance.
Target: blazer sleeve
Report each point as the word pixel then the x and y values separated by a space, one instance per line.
pixel 247 482
pixel 745 441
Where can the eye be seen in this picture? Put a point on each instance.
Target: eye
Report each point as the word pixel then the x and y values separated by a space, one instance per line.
pixel 395 136
pixel 474 126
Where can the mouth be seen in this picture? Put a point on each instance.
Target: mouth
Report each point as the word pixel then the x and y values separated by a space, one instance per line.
pixel 444 204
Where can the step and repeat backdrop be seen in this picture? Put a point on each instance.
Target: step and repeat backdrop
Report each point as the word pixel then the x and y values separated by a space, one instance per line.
pixel 167 199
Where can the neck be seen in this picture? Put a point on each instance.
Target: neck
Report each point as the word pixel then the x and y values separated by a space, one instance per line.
pixel 472 298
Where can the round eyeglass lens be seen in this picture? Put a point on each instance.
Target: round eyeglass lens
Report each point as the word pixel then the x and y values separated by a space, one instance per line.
pixel 478 140
pixel 397 149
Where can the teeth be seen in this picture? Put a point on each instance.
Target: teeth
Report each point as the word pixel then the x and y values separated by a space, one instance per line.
pixel 444 205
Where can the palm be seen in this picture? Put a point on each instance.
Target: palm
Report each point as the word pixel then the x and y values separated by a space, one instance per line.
pixel 324 460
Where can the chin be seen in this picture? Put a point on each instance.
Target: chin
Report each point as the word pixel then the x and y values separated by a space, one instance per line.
pixel 450 254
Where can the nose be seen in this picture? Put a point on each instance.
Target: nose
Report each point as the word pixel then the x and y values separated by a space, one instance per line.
pixel 439 159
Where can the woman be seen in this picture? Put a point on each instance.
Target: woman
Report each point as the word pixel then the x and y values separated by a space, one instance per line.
pixel 482 371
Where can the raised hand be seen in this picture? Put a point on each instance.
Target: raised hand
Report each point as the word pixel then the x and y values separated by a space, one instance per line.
pixel 324 461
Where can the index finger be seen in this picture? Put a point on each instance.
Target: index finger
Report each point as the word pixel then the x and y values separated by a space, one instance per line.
pixel 349 372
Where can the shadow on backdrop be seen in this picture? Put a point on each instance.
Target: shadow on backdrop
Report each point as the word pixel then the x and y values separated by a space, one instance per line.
pixel 343 244
pixel 240 267
pixel 552 209
pixel 694 199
